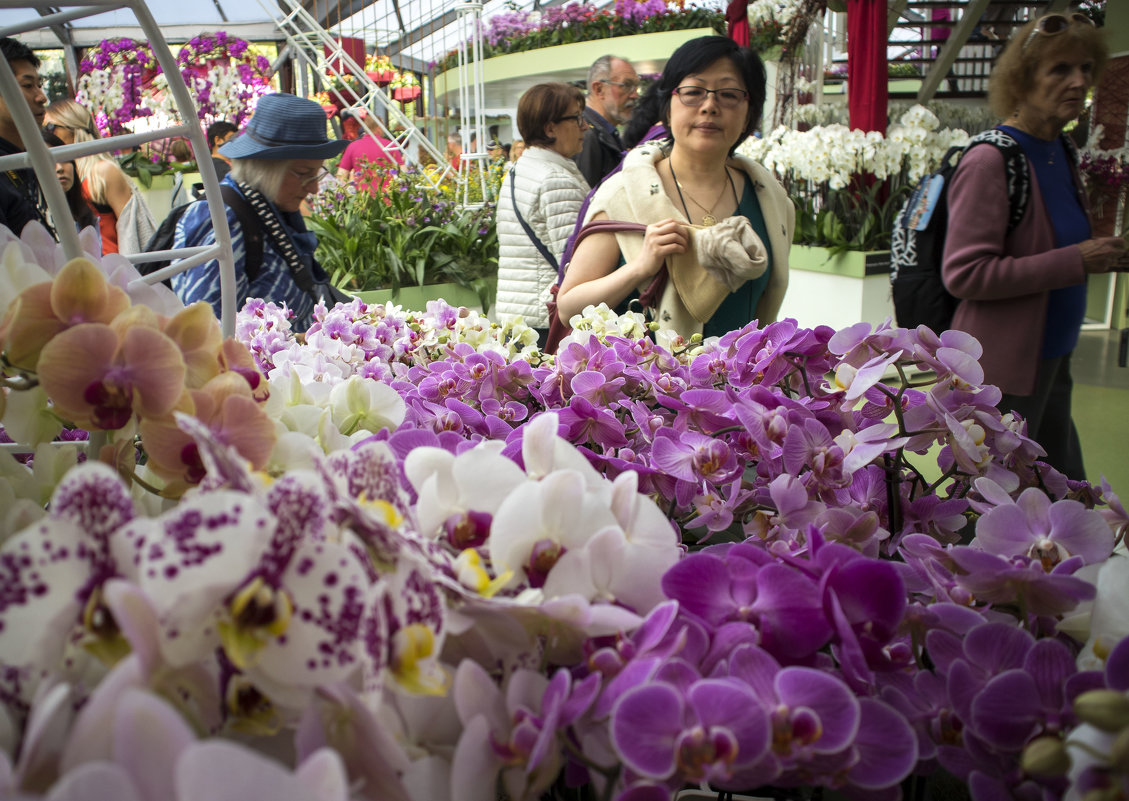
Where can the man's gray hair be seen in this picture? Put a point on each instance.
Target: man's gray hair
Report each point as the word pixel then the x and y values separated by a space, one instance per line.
pixel 601 69
pixel 266 175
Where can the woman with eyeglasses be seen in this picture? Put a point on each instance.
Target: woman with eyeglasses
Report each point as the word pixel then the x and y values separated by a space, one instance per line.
pixel 539 201
pixel 276 162
pixel 1022 287
pixel 704 208
pixel 104 183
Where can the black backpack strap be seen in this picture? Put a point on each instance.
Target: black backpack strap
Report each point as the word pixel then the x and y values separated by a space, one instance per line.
pixel 252 230
pixel 1017 173
pixel 537 243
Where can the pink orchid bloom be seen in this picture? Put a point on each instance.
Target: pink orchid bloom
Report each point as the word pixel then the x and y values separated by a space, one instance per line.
pixel 79 294
pixel 197 333
pixel 99 379
pixel 226 406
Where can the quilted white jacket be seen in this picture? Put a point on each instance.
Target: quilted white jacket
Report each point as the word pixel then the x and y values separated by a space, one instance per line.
pixel 549 192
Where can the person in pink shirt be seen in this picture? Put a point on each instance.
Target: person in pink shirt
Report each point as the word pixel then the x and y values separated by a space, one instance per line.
pixel 370 152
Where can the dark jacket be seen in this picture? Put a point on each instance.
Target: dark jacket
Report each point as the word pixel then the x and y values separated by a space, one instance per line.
pixel 602 149
pixel 19 194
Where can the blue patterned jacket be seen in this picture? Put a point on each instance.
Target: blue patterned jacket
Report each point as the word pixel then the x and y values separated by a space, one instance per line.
pixel 273 283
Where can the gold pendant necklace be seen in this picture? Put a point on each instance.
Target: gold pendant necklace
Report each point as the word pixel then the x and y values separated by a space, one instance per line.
pixel 708 220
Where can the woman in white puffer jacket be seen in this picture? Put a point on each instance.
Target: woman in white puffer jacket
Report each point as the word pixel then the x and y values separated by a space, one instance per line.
pixel 549 190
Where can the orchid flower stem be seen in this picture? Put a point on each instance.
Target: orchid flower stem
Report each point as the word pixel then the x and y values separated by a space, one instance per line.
pixel 800 364
pixel 944 477
pixel 19 383
pixel 1021 599
pixel 728 430
pixel 145 485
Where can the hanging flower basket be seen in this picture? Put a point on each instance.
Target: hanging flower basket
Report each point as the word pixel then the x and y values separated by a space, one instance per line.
pixel 381 77
pixel 406 94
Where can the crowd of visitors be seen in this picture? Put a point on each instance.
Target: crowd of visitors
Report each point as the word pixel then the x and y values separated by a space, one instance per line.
pixel 639 200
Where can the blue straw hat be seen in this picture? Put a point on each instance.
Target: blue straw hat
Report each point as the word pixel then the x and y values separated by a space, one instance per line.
pixel 284 127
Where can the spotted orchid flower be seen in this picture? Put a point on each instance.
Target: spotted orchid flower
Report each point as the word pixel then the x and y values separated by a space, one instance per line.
pixel 52 577
pixel 404 629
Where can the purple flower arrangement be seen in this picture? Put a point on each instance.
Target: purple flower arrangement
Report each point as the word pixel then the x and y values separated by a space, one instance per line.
pixel 515 31
pixel 1108 170
pixel 785 558
pixel 112 78
pixel 223 76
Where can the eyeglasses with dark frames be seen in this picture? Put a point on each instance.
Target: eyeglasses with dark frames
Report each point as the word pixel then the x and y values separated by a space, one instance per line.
pixel 631 87
pixel 311 178
pixel 580 121
pixel 1054 24
pixel 51 127
pixel 694 96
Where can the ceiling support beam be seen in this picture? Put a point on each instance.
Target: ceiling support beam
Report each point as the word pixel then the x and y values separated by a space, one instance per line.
pixel 951 49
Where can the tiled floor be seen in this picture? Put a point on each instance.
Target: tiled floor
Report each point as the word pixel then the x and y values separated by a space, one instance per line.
pixel 1101 408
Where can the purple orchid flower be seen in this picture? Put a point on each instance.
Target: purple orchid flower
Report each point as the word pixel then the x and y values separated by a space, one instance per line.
pixel 711 733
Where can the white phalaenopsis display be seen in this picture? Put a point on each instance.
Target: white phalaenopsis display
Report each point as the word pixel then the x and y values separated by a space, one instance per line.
pixel 834 154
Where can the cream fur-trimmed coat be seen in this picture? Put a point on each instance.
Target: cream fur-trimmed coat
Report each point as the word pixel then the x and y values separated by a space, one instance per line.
pixel 635 194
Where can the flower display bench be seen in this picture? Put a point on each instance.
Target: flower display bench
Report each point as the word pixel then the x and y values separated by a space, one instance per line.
pixel 506 77
pixel 837 291
pixel 415 298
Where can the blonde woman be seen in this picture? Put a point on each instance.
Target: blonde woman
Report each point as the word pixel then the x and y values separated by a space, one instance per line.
pixel 125 228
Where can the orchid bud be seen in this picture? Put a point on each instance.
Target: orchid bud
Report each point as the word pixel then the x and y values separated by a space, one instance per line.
pixel 1119 751
pixel 1106 709
pixel 1045 757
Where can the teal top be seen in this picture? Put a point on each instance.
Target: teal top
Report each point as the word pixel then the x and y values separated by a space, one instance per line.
pixel 739 307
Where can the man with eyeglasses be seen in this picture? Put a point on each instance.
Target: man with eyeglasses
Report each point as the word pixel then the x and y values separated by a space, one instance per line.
pixel 613 90
pixel 21 200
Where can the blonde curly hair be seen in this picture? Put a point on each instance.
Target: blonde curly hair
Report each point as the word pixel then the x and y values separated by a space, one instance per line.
pixel 1013 76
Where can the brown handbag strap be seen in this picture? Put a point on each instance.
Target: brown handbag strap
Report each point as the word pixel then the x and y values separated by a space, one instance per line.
pixel 610 227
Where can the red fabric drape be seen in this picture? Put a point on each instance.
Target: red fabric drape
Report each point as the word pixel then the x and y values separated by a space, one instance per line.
pixel 867 82
pixel 737 15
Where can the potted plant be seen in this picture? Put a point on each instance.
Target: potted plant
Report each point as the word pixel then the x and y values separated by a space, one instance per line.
pixel 405 87
pixel 379 69
pixel 403 235
pixel 847 186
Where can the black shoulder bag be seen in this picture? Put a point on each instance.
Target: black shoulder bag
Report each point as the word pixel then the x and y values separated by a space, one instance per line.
pixel 300 270
pixel 537 243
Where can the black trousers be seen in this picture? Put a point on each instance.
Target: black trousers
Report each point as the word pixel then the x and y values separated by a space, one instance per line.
pixel 1048 415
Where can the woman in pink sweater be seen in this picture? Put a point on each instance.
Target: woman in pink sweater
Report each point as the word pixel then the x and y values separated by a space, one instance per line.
pixel 1023 293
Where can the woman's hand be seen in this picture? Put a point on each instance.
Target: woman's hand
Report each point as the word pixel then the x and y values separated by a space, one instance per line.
pixel 1105 254
pixel 661 240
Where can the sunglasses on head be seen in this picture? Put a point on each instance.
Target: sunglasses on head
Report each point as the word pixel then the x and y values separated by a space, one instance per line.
pixel 1054 24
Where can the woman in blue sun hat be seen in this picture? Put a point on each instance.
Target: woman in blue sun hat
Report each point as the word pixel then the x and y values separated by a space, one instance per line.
pixel 276 162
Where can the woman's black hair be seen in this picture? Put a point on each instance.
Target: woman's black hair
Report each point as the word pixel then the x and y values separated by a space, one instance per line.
pixel 697 55
pixel 80 209
pixel 647 114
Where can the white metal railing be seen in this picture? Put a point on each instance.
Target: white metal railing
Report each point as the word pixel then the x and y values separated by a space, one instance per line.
pixel 42 158
pixel 308 40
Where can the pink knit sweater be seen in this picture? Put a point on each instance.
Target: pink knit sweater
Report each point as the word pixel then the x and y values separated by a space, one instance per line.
pixel 1003 281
